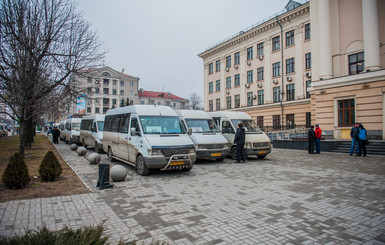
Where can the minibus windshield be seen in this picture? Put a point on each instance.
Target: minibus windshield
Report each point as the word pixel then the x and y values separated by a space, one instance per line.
pixel 100 125
pixel 161 125
pixel 202 125
pixel 76 126
pixel 249 125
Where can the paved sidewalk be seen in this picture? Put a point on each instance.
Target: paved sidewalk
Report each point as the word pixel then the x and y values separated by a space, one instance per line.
pixel 291 197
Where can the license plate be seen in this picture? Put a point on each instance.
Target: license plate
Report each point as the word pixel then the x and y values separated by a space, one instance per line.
pixel 261 152
pixel 216 154
pixel 176 163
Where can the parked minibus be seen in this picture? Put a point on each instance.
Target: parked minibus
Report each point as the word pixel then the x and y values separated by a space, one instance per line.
pixel 62 131
pixel 256 142
pixel 148 137
pixel 3 130
pixel 209 141
pixel 91 131
pixel 72 130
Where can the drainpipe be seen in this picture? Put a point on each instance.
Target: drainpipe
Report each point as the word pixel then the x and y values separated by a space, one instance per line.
pixel 282 78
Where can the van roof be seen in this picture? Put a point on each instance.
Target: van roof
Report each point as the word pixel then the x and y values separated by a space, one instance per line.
pixel 76 120
pixel 230 114
pixel 98 117
pixel 148 110
pixel 193 114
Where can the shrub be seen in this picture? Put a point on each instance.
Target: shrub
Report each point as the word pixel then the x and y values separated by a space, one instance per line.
pixel 50 168
pixel 16 174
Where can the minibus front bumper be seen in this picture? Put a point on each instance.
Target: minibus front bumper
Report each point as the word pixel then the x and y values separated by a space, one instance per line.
pixel 217 154
pixel 177 161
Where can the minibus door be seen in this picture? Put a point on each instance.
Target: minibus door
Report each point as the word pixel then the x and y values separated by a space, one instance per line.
pixel 134 140
pixel 123 137
pixel 228 131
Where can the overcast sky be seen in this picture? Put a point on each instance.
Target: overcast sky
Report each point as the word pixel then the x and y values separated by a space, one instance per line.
pixel 159 40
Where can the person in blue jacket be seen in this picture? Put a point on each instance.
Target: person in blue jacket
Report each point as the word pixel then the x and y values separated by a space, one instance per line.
pixel 362 139
pixel 355 141
pixel 239 140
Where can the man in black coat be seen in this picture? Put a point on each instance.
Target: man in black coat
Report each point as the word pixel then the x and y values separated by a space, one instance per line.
pixel 311 138
pixel 55 135
pixel 239 140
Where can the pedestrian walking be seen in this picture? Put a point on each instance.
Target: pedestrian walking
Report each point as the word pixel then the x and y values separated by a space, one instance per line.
pixel 311 138
pixel 239 140
pixel 362 140
pixel 318 133
pixel 355 141
pixel 55 135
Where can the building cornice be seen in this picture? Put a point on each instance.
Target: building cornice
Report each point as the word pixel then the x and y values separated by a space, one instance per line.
pixel 257 30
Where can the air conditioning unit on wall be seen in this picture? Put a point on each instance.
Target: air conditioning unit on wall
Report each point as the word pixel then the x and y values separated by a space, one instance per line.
pixel 227 92
pixel 260 57
pixel 254 96
pixel 289 78
pixel 308 74
pixel 227 69
pixel 247 85
pixel 248 63
pixel 236 66
pixel 275 81
pixel 259 85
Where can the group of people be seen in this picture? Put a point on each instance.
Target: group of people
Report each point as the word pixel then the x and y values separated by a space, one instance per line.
pixel 314 136
pixel 359 140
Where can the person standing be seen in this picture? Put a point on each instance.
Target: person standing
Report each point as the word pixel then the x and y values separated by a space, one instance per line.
pixel 239 140
pixel 55 135
pixel 311 138
pixel 318 133
pixel 362 138
pixel 355 141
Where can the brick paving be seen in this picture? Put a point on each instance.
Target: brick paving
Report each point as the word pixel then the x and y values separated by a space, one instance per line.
pixel 291 197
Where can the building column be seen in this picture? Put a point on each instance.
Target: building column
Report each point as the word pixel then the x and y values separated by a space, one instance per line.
pixel 325 52
pixel 371 35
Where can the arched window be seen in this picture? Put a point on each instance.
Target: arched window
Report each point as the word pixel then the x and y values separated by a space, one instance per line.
pixel 106 74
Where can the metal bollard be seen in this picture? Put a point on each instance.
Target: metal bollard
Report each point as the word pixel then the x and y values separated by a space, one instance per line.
pixel 104 177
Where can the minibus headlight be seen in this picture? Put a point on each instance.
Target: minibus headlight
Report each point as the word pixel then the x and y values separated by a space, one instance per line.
pixel 225 146
pixel 155 152
pixel 191 150
pixel 249 145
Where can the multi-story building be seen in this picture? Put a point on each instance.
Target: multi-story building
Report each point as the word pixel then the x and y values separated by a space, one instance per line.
pixel 305 65
pixel 161 98
pixel 104 88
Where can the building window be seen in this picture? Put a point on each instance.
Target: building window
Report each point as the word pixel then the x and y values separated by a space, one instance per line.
pixel 218 85
pixel 250 99
pixel 250 53
pixel 121 92
pixel 131 84
pixel 260 73
pixel 260 121
pixel 237 101
pixel 113 91
pixel 276 43
pixel 131 93
pixel 97 101
pixel 121 83
pixel 236 58
pixel 89 79
pixel 105 109
pixel 106 102
pixel 289 121
pixel 174 105
pixel 228 102
pixel 261 97
pixel 97 110
pixel 250 76
pixel 211 68
pixel 308 61
pixel 89 90
pixel 290 92
pixel 289 38
pixel 346 113
pixel 113 101
pixel 308 119
pixel 260 50
pixel 211 106
pixel 307 31
pixel 277 94
pixel 276 122
pixel 217 104
pixel 356 63
pixel 211 87
pixel 114 82
pixel 228 82
pixel 218 65
pixel 276 69
pixel 105 90
pixel 88 109
pixel 308 84
pixel 97 91
pixel 228 61
pixel 106 81
pixel 290 66
pixel 236 80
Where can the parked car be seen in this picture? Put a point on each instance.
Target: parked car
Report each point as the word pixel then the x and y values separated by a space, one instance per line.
pixel 91 131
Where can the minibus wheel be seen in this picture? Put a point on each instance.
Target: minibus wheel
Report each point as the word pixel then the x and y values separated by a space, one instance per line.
pixel 110 155
pixel 97 148
pixel 234 153
pixel 141 167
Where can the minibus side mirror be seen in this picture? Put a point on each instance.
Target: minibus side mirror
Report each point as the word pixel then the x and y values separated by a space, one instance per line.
pixel 190 131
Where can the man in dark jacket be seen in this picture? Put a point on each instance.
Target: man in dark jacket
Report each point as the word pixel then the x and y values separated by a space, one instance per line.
pixel 355 141
pixel 239 140
pixel 55 135
pixel 311 138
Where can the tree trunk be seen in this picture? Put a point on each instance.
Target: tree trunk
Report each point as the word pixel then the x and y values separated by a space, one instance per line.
pixel 28 131
pixel 21 138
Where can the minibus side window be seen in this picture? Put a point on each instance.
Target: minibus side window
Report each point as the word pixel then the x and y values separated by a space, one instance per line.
pixel 226 128
pixel 94 128
pixel 107 124
pixel 115 123
pixel 124 123
pixel 135 124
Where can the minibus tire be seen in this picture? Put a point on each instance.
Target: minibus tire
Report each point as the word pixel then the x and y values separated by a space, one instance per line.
pixel 141 166
pixel 110 154
pixel 233 153
pixel 97 148
pixel 84 144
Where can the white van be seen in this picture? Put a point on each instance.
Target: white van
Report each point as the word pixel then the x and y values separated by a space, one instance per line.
pixel 256 142
pixel 62 131
pixel 3 130
pixel 72 130
pixel 209 141
pixel 91 131
pixel 148 137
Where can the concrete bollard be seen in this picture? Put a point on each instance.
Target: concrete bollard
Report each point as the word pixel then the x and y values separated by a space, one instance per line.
pixel 82 151
pixel 118 173
pixel 94 158
pixel 74 147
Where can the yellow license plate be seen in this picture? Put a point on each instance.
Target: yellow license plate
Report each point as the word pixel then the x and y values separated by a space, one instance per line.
pixel 262 152
pixel 216 154
pixel 176 163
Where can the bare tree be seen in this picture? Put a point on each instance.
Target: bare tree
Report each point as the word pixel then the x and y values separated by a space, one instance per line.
pixel 42 44
pixel 195 101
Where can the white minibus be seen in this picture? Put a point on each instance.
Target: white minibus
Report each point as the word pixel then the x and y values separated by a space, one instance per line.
pixel 62 130
pixel 91 131
pixel 148 137
pixel 72 130
pixel 256 142
pixel 209 141
pixel 3 130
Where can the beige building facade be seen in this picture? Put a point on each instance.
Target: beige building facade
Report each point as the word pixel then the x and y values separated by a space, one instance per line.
pixel 318 62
